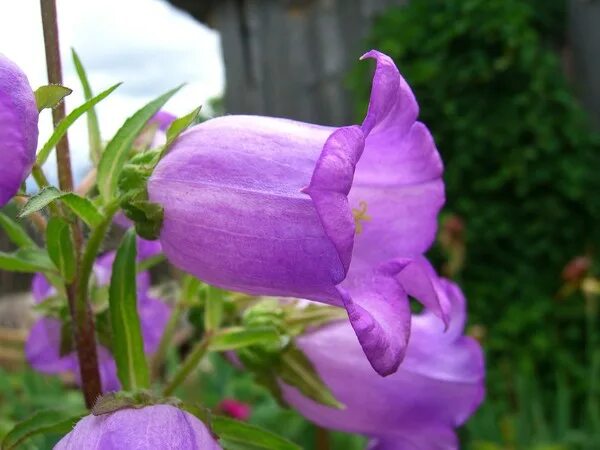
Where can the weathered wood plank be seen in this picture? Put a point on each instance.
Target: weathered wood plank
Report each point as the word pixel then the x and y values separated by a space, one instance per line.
pixel 290 58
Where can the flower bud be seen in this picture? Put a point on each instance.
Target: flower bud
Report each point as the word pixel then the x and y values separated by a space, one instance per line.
pixel 18 129
pixel 153 427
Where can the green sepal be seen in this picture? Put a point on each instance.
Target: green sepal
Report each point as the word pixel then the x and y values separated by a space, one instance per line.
pixel 180 125
pixel 146 216
pixel 114 401
pixel 296 370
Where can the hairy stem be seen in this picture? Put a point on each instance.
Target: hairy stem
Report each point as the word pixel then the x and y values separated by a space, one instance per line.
pixel 83 319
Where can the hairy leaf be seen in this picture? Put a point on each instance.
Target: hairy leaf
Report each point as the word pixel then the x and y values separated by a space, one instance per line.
pixel 29 260
pixel 81 206
pixel 64 124
pixel 61 248
pixel 115 155
pixel 48 97
pixel 128 345
pixel 41 422
pixel 15 232
pixel 240 435
pixel 94 137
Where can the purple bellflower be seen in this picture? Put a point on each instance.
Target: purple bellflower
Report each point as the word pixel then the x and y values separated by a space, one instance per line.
pixel 437 387
pixel 153 427
pixel 43 346
pixel 271 206
pixel 18 129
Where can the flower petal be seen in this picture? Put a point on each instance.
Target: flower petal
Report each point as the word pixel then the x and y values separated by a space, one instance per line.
pixel 440 438
pixel 437 387
pixel 330 184
pixel 154 315
pixel 398 180
pixel 379 312
pixel 42 348
pixel 235 214
pixel 419 280
pixel 41 289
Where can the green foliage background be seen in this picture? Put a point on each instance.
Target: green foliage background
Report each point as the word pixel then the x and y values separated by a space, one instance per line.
pixel 522 170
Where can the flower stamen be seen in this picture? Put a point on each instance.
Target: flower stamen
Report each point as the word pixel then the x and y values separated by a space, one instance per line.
pixel 360 216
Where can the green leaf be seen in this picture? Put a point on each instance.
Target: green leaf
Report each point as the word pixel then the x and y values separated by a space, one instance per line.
pixel 61 248
pixel 42 422
pixel 95 139
pixel 50 96
pixel 237 435
pixel 81 206
pixel 239 337
pixel 128 345
pixel 213 310
pixel 297 370
pixel 28 260
pixel 15 232
pixel 180 125
pixel 64 124
pixel 116 152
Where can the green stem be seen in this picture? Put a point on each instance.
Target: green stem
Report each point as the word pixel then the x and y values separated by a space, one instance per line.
pixel 166 338
pixel 190 363
pixel 90 254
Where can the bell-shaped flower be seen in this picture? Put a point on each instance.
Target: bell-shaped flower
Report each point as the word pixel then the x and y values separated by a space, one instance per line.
pixel 435 390
pixel 43 345
pixel 271 206
pixel 18 128
pixel 153 427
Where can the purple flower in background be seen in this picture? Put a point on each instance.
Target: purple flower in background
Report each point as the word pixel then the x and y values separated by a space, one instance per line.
pixel 42 348
pixel 163 119
pixel 276 207
pixel 154 427
pixel 18 129
pixel 437 387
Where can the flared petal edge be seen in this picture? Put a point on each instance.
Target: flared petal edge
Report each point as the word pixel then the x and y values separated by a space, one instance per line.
pixel 330 184
pixel 379 313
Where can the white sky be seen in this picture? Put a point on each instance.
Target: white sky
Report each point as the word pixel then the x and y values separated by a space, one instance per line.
pixel 148 44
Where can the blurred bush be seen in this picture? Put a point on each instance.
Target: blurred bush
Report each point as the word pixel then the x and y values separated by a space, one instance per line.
pixel 522 173
pixel 521 163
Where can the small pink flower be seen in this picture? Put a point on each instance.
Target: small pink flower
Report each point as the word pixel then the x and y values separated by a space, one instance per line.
pixel 235 409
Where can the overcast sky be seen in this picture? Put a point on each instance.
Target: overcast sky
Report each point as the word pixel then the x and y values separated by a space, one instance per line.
pixel 147 44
